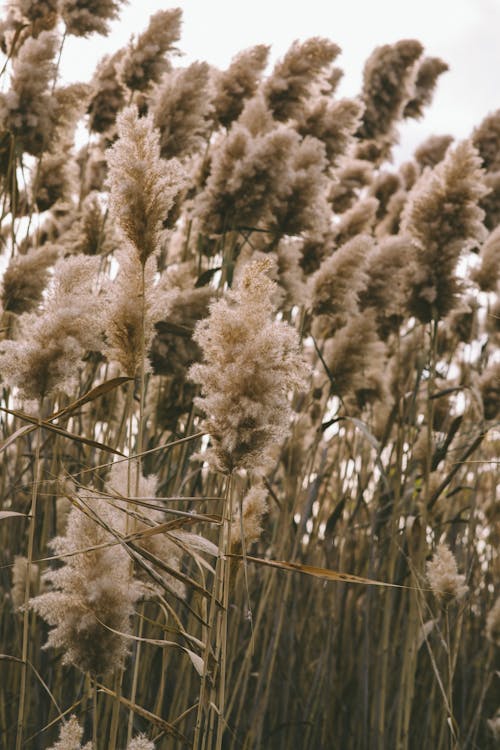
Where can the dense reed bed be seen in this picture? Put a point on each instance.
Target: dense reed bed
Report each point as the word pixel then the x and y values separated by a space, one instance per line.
pixel 249 401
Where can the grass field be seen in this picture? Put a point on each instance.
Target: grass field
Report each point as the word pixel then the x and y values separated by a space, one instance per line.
pixel 249 401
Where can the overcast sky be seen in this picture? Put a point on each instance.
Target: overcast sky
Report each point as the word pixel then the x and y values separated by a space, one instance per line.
pixel 465 33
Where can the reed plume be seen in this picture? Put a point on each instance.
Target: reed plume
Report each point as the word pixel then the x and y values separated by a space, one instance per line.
pixel 250 363
pixel 446 582
pixel 303 68
pixel 443 220
pixel 146 58
pixel 85 17
pixel 142 185
pixel 234 86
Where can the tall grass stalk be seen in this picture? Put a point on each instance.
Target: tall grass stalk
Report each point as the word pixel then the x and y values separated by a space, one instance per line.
pixel 29 561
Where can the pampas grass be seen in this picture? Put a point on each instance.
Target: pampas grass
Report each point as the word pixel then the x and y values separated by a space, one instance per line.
pixel 248 402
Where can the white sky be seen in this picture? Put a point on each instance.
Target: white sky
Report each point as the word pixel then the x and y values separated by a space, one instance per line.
pixel 465 33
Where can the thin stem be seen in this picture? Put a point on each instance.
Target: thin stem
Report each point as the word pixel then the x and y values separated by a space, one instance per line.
pixel 26 612
pixel 222 633
pixel 113 735
pixel 205 711
pixel 135 678
pixel 138 469
pixel 94 714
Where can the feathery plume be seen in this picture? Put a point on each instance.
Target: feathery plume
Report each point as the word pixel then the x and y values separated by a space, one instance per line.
pixel 27 110
pixel 142 185
pixel 445 581
pixel 254 507
pixel 428 73
pixel 443 219
pixel 41 15
pixel 290 275
pixel 25 279
pixel 356 359
pixel 293 78
pixel 305 207
pixel 251 361
pixel 48 352
pixel 487 274
pixel 386 290
pixel 70 736
pixel 490 203
pixel 140 743
pixel 249 178
pixel 145 60
pixel 333 123
pixel 180 108
pixel 391 222
pixel 93 593
pixel 234 86
pixel 357 220
pixel 55 178
pixel 433 150
pixel 71 102
pixel 108 93
pixel 90 233
pixel 337 283
pixel 486 138
pixel 409 173
pixel 256 116
pixel 489 388
pixel 125 481
pixel 352 175
pixel 383 187
pixel 84 17
pixel 125 327
pixel 387 79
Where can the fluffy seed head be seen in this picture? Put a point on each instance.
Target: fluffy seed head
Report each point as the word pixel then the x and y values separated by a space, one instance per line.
pixel 251 361
pixel 428 73
pixel 487 274
pixel 249 177
pixel 296 74
pixel 27 110
pixel 93 593
pixel 84 17
pixel 432 150
pixel 107 95
pixel 140 743
pixel 145 60
pixel 386 85
pixel 143 186
pixel 237 84
pixel 443 219
pixel 254 507
pixel 47 354
pixel 180 109
pixel 336 285
pixel 446 582
pixel 25 279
